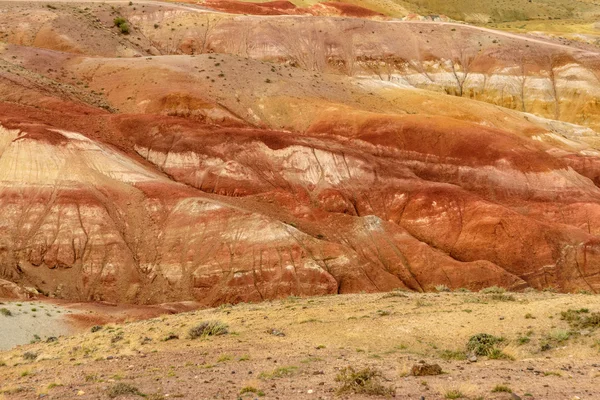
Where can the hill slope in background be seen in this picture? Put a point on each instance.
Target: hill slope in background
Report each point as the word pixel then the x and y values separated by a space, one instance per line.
pixel 223 157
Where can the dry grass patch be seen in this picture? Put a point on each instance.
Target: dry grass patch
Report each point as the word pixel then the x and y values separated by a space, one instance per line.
pixel 280 372
pixel 208 328
pixel 123 389
pixel 365 381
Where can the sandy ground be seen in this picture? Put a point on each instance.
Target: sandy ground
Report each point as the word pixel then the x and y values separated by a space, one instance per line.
pixel 53 318
pixel 389 332
pixel 28 319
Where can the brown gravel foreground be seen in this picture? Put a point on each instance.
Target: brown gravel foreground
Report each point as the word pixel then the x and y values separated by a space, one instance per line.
pixel 389 332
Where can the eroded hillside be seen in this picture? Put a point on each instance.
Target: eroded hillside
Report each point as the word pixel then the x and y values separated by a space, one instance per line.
pixel 214 156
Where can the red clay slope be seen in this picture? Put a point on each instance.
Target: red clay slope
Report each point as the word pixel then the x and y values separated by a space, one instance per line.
pixel 288 8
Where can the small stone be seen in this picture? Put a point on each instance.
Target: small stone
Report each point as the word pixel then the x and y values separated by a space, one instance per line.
pixel 310 391
pixel 275 332
pixel 501 318
pixel 473 359
pixel 529 368
pixel 514 397
pixel 80 393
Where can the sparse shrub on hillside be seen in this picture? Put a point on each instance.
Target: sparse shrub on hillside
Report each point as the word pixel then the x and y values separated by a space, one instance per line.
pixel 393 294
pixel 122 24
pixel 454 394
pixel 251 389
pixel 365 381
pixel 6 312
pixel 30 356
pixel 442 288
pixel 581 319
pixel 453 355
pixel 493 289
pixel 170 336
pixel 521 340
pixel 501 389
pixel 119 21
pixel 280 372
pixel 502 297
pixel 117 337
pixel 96 328
pixel 123 389
pixel 208 328
pixel 497 354
pixel 554 338
pixel 483 343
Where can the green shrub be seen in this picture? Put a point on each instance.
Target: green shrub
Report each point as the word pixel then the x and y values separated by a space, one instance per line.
pixel 6 312
pixel 119 21
pixel 124 28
